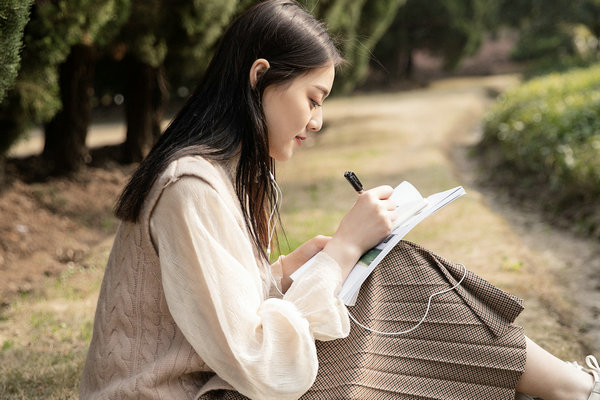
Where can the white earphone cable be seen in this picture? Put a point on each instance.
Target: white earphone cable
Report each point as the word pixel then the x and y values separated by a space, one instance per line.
pixel 271 229
pixel 271 232
pixel 422 319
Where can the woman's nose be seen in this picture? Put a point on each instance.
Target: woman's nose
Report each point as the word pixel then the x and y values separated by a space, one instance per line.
pixel 316 121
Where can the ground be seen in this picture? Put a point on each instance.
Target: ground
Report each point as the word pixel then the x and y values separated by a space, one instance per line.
pixel 55 235
pixel 52 225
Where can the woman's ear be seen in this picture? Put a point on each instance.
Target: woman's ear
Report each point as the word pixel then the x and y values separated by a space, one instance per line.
pixel 258 68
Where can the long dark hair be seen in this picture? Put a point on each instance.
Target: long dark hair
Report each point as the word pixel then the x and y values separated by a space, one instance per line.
pixel 224 119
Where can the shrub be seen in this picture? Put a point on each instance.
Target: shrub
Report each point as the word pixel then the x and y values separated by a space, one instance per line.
pixel 547 131
pixel 14 14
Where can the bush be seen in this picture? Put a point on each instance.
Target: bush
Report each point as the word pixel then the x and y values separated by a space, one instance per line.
pixel 547 131
pixel 14 14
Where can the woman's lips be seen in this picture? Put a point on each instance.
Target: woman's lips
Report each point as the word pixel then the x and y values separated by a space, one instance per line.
pixel 299 140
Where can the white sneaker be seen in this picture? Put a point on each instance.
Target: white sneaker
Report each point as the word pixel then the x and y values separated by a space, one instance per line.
pixel 593 369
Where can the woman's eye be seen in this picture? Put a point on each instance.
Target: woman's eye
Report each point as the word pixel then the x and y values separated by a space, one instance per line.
pixel 315 103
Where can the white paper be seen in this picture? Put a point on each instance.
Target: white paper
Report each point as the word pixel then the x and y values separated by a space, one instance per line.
pixel 371 259
pixel 412 208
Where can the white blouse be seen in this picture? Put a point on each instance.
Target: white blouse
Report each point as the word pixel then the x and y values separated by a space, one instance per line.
pixel 263 347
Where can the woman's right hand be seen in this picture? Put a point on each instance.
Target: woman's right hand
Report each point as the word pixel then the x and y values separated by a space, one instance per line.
pixel 368 222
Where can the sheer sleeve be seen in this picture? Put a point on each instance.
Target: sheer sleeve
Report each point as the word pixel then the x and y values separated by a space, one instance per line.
pixel 262 347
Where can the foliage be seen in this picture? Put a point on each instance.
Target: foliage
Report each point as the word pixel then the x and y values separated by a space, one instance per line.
pixel 549 65
pixel 548 131
pixel 375 19
pixel 55 26
pixel 182 34
pixel 552 35
pixel 449 29
pixel 164 39
pixel 543 26
pixel 589 13
pixel 177 35
pixel 359 24
pixel 192 31
pixel 14 14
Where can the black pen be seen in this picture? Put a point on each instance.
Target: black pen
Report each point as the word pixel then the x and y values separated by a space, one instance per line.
pixel 354 181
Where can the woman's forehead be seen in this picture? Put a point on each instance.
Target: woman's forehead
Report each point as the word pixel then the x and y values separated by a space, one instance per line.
pixel 319 78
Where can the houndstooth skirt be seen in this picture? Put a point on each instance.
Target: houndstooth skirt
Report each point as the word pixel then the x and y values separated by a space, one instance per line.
pixel 467 347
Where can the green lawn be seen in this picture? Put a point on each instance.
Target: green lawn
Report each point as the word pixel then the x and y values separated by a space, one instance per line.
pixel 383 138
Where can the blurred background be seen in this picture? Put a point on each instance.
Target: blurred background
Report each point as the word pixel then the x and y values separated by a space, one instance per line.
pixel 64 62
pixel 497 95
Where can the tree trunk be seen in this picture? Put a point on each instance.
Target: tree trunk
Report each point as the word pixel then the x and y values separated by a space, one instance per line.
pixel 597 35
pixel 408 64
pixel 403 60
pixel 145 98
pixel 2 172
pixel 402 65
pixel 64 149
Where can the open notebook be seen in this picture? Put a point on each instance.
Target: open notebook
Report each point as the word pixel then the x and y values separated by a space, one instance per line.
pixel 412 208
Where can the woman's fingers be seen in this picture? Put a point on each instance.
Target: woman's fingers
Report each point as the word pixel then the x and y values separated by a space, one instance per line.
pixel 314 245
pixel 379 198
pixel 306 251
pixel 372 216
pixel 379 192
pixel 299 257
pixel 368 222
pixel 388 205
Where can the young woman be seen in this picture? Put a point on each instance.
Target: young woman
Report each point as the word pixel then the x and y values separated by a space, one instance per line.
pixel 189 306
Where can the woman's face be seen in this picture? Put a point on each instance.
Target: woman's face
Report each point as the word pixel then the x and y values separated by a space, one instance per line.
pixel 294 110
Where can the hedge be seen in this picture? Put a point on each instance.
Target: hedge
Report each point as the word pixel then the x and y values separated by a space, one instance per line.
pixel 547 130
pixel 14 14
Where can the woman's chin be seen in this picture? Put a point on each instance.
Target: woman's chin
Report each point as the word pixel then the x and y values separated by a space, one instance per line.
pixel 283 155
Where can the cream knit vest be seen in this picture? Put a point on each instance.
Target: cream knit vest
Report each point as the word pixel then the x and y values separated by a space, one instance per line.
pixel 137 351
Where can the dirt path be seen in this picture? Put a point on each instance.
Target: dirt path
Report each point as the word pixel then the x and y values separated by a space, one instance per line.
pixel 561 286
pixel 424 136
pixel 571 261
pixel 421 136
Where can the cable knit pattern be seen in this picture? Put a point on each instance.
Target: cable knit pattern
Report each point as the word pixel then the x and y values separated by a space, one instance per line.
pixel 165 323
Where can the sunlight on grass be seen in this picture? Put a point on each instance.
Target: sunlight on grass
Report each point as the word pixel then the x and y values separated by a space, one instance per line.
pixel 44 337
pixel 385 139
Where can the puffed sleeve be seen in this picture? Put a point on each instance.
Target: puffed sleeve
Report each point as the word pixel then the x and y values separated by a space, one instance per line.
pixel 264 348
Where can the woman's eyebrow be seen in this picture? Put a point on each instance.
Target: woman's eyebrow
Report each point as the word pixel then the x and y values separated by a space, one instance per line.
pixel 322 89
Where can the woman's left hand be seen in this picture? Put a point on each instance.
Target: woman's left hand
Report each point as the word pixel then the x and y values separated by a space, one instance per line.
pixel 299 257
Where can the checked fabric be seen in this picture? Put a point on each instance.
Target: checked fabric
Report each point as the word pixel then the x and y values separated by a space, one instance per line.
pixel 467 347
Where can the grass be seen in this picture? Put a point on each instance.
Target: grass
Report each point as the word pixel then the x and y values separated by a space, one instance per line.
pixel 546 133
pixel 44 336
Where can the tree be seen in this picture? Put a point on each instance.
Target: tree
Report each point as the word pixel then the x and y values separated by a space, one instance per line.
pixel 193 34
pixel 54 28
pixel 14 14
pixel 159 39
pixel 548 29
pixel 65 134
pixel 374 19
pixel 449 29
pixel 359 24
pixel 93 24
pixel 34 97
pixel 543 28
pixel 160 32
pixel 588 13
